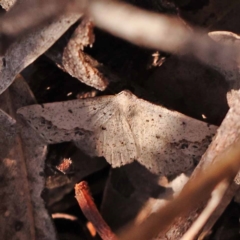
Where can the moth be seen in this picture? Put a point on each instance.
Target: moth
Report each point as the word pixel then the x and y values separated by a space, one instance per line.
pixel 124 128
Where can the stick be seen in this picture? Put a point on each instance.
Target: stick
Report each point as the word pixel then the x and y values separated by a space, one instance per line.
pixel 91 212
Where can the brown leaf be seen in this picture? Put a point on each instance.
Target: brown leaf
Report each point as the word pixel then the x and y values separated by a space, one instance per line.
pixel 23 214
pixel 30 47
pixel 74 61
pixel 134 25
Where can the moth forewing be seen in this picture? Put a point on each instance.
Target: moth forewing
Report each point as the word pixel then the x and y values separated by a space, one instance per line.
pixel 124 128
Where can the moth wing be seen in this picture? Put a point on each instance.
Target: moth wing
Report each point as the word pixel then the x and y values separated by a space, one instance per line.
pixel 96 125
pixel 113 140
pixel 168 142
pixel 70 120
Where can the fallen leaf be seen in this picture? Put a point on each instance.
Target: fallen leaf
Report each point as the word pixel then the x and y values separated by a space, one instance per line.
pixel 27 49
pixel 23 214
pixel 74 61
pixel 124 128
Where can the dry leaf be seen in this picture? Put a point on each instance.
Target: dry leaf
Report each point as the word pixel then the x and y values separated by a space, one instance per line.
pixel 134 25
pixel 23 214
pixel 30 47
pixel 74 61
pixel 123 128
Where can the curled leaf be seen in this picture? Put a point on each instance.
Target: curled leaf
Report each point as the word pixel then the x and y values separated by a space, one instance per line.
pixel 74 61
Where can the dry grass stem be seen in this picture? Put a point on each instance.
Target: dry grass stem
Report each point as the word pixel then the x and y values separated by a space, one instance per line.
pixel 64 216
pixel 212 204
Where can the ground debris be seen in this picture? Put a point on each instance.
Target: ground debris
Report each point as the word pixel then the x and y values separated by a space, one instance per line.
pixel 22 159
pixel 74 61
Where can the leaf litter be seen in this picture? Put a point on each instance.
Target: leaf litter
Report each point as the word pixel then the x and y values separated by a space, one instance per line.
pixel 28 48
pixel 99 128
pixel 71 58
pixel 23 214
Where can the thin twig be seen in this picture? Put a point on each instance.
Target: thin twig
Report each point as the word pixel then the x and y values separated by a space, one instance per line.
pixel 212 204
pixel 91 212
pixel 64 216
pixel 226 199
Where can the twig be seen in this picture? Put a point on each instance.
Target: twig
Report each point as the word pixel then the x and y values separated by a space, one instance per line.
pixel 212 204
pixel 91 212
pixel 226 167
pixel 64 216
pixel 226 199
